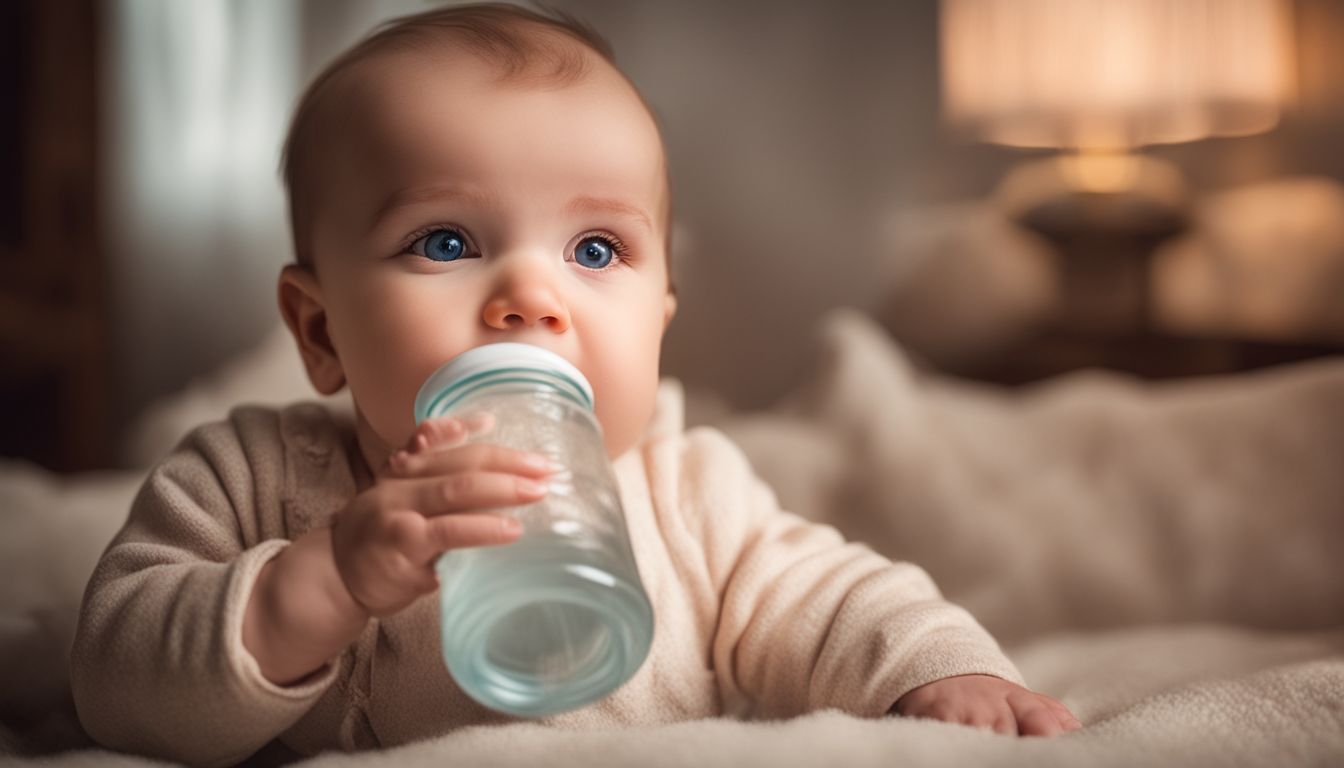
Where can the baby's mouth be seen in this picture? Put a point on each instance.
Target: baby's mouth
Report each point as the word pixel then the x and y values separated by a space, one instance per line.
pixel 543 339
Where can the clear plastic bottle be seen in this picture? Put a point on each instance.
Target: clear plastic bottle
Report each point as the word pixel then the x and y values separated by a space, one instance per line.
pixel 559 618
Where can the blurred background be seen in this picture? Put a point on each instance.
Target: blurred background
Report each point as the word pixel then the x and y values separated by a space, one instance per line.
pixel 1015 188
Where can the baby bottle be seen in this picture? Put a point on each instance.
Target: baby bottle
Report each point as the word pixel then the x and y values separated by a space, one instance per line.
pixel 558 618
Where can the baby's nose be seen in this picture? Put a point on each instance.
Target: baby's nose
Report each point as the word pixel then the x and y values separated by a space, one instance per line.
pixel 524 306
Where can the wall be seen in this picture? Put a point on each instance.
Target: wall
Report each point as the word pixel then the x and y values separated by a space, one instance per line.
pixel 798 132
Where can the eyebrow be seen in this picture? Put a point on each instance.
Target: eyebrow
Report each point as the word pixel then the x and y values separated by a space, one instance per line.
pixel 415 195
pixel 584 204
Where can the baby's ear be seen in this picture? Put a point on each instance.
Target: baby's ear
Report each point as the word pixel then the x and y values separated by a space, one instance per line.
pixel 306 316
pixel 669 308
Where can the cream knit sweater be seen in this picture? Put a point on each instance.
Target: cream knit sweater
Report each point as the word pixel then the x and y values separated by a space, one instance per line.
pixel 757 611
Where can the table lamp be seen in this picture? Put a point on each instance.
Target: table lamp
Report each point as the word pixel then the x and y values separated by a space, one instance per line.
pixel 1097 80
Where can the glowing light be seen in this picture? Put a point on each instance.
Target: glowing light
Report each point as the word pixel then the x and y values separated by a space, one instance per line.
pixel 1114 74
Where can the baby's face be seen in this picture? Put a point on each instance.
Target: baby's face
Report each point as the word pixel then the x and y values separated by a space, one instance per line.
pixel 454 211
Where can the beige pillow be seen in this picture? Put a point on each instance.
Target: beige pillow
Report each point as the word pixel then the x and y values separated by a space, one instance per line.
pixel 1092 500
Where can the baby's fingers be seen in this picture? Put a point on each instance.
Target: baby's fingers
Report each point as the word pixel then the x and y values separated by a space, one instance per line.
pixel 1067 722
pixel 458 531
pixel 480 456
pixel 1036 720
pixel 466 492
pixel 1062 714
pixel 448 431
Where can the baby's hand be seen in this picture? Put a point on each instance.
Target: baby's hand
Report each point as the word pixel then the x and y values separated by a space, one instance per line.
pixel 427 499
pixel 988 702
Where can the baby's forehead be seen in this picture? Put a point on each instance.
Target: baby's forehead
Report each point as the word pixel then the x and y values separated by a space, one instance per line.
pixel 380 97
pixel 399 112
pixel 392 76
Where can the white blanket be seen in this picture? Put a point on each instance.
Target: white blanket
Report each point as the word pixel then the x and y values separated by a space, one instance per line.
pixel 1166 559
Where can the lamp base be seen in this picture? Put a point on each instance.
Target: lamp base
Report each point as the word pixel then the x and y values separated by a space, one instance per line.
pixel 1104 215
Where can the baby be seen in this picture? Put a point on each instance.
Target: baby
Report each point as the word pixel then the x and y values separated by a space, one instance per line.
pixel 469 175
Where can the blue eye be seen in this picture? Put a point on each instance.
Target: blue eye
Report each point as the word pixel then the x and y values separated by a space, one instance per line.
pixel 593 252
pixel 441 245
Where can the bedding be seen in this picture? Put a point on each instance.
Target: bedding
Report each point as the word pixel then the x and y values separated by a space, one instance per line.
pixel 1164 558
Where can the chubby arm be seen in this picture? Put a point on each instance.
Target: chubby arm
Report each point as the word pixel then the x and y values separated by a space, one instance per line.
pixel 807 621
pixel 377 557
pixel 299 614
pixel 158 666
pixel 204 634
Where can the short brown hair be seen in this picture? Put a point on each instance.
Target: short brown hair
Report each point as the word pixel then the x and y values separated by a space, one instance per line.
pixel 501 33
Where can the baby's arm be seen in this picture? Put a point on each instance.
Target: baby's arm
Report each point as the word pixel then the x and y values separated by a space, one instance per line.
pixel 160 664
pixel 808 621
pixel 157 666
pixel 377 557
pixel 300 615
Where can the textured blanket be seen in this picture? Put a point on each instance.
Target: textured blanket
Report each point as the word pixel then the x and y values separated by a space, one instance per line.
pixel 1167 559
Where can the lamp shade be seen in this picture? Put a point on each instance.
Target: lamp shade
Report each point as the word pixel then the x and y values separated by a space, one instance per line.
pixel 1114 74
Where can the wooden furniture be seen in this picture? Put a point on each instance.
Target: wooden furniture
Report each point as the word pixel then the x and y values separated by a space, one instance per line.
pixel 1150 355
pixel 1104 246
pixel 57 387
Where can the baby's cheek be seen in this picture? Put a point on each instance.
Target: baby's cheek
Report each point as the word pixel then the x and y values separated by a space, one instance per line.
pixel 625 414
pixel 391 416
